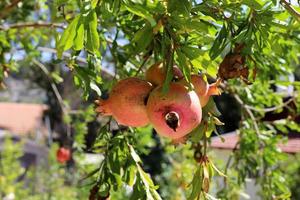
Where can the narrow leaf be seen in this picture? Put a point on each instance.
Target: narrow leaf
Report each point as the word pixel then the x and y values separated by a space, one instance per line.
pixel 67 39
pixel 92 40
pixel 79 38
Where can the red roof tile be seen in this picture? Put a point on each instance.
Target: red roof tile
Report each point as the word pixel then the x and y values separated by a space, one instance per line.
pixel 292 145
pixel 21 118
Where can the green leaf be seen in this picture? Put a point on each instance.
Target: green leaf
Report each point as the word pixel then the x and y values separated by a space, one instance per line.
pixel 180 7
pixel 143 38
pixel 192 52
pixel 168 79
pixel 210 170
pixel 130 175
pixel 217 121
pixel 155 194
pixel 79 38
pixel 134 155
pixel 210 128
pixel 219 43
pixel 196 184
pixel 117 180
pixel 92 37
pixel 183 65
pixel 140 11
pixel 95 88
pixel 197 134
pixel 145 177
pixel 217 170
pixel 252 4
pixel 67 39
pixel 211 107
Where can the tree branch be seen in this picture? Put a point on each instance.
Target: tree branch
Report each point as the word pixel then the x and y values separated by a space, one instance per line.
pixel 32 24
pixel 290 9
pixel 54 88
pixel 78 59
pixel 7 9
pixel 272 108
pixel 249 112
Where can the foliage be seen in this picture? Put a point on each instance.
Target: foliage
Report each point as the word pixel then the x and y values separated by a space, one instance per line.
pixel 260 38
pixel 46 180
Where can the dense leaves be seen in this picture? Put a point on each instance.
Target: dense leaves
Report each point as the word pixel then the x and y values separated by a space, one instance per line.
pixel 113 39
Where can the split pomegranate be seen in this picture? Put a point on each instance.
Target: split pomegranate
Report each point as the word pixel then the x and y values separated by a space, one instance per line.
pixel 127 102
pixel 156 74
pixel 175 113
pixel 63 155
pixel 202 88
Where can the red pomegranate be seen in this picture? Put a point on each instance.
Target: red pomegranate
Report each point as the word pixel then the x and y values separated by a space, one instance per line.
pixel 202 88
pixel 63 155
pixel 156 74
pixel 175 113
pixel 127 102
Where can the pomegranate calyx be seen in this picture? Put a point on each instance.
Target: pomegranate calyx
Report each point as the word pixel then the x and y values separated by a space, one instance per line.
pixel 214 88
pixel 103 107
pixel 172 120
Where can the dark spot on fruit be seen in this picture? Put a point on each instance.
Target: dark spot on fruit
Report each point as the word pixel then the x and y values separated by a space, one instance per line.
pixel 172 120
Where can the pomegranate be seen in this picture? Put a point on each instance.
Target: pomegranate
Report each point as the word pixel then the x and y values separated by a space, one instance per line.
pixel 63 155
pixel 156 74
pixel 175 113
pixel 127 102
pixel 202 88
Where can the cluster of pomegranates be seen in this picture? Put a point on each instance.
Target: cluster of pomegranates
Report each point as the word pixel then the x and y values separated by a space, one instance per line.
pixel 173 114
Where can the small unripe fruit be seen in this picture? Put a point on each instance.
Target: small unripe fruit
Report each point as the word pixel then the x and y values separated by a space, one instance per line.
pixel 156 74
pixel 175 113
pixel 127 102
pixel 63 155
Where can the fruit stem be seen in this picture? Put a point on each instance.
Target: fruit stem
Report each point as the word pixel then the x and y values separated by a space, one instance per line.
pixel 172 120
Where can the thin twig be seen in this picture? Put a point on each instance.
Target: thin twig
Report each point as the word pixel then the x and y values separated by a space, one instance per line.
pixel 249 112
pixel 78 59
pixel 272 108
pixel 62 105
pixel 33 25
pixel 290 9
pixel 142 65
pixel 229 161
pixel 54 88
pixel 7 9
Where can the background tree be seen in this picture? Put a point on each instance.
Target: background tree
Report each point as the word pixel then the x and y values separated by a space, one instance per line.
pixel 253 46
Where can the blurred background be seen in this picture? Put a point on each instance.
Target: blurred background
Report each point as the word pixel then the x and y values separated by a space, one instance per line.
pixel 49 130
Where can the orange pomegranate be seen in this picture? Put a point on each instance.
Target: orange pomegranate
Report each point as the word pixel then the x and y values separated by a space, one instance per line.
pixel 202 88
pixel 127 102
pixel 63 155
pixel 175 113
pixel 156 74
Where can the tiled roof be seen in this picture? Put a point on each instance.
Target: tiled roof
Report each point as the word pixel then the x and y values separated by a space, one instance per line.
pixel 292 145
pixel 21 118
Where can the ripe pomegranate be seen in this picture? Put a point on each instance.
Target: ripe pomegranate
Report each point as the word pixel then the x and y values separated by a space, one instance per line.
pixel 156 74
pixel 175 113
pixel 127 102
pixel 63 155
pixel 202 88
